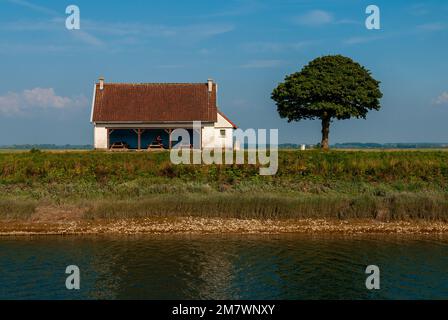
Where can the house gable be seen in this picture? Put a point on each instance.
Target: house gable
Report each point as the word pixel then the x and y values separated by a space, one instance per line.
pixel 224 122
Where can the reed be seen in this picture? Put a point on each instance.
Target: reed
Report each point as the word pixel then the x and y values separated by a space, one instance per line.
pixel 399 207
pixel 16 210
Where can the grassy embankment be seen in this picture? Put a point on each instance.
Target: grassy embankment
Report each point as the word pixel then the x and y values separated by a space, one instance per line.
pixel 397 185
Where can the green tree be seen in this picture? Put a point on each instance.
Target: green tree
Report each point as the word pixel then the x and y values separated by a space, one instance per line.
pixel 329 87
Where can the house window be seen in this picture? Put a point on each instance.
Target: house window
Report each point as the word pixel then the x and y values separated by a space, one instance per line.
pixel 222 132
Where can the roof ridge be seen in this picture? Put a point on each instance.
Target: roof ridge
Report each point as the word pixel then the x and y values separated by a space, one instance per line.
pixel 154 83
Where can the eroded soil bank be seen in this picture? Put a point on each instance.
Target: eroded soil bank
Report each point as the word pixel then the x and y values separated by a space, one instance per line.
pixel 54 221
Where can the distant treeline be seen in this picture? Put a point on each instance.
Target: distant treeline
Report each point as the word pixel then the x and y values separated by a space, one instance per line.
pixel 345 145
pixel 48 147
pixel 359 145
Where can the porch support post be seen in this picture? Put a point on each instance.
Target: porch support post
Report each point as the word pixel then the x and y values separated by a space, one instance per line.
pixel 139 132
pixel 198 132
pixel 169 138
pixel 139 138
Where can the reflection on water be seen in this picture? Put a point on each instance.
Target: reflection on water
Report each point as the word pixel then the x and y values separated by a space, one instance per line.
pixel 224 267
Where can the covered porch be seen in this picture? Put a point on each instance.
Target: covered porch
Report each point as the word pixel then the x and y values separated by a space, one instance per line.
pixel 147 139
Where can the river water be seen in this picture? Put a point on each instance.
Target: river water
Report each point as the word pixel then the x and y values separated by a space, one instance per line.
pixel 224 267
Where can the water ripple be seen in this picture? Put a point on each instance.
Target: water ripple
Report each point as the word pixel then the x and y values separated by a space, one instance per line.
pixel 224 267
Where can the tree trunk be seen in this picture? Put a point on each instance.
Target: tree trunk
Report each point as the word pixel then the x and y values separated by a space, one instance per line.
pixel 325 132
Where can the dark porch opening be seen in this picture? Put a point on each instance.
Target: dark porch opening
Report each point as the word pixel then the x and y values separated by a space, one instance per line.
pixel 127 136
pixel 147 138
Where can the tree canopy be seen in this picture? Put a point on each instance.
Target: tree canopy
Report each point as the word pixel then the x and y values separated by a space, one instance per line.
pixel 329 87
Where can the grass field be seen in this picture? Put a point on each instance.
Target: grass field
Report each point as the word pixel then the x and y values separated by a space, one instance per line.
pixel 384 185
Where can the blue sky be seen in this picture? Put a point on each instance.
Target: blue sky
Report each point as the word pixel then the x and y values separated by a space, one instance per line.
pixel 47 72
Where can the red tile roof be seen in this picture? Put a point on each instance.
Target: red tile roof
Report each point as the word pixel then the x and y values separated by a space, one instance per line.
pixel 154 102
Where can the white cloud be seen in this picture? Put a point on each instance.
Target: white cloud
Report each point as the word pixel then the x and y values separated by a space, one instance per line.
pixel 349 21
pixel 21 48
pixel 259 64
pixel 419 9
pixel 106 35
pixel 442 99
pixel 9 103
pixel 361 40
pixel 87 38
pixel 277 47
pixel 193 31
pixel 30 25
pixel 433 26
pixel 33 7
pixel 246 7
pixel 55 25
pixel 21 103
pixel 89 27
pixel 315 18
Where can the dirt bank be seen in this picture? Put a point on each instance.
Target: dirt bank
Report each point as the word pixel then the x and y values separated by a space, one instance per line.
pixel 190 225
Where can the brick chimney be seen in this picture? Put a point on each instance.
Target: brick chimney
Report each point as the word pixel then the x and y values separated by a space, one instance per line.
pixel 210 85
pixel 101 83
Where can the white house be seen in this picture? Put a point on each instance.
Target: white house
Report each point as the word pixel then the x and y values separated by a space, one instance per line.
pixel 143 116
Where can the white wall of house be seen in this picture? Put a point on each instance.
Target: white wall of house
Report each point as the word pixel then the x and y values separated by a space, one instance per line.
pixel 208 136
pixel 100 137
pixel 219 135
